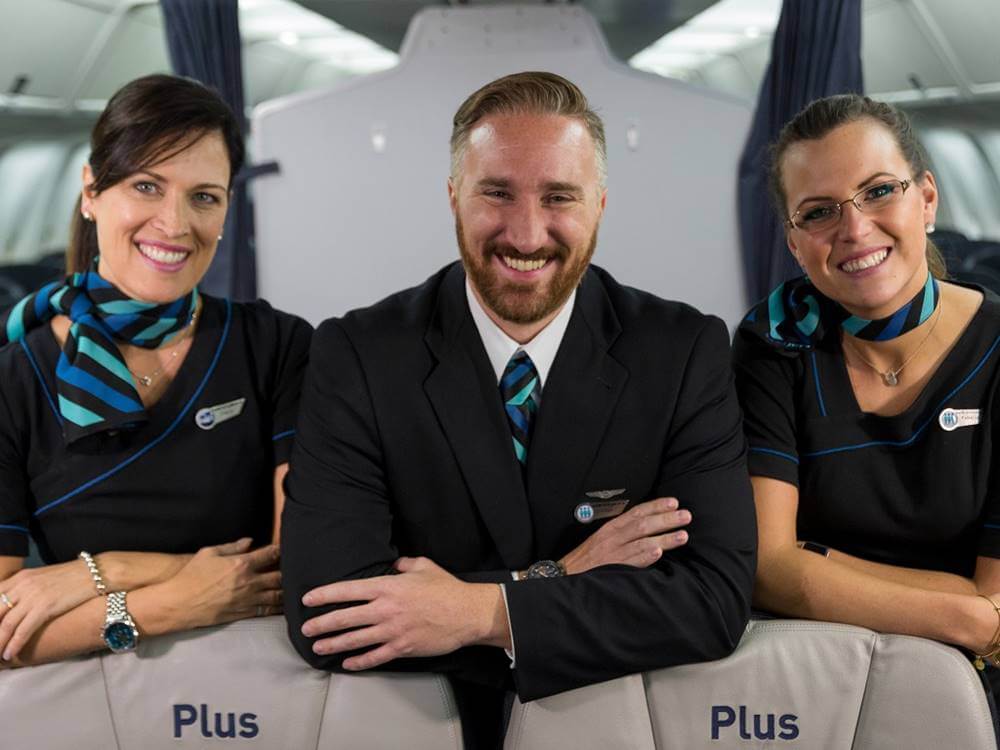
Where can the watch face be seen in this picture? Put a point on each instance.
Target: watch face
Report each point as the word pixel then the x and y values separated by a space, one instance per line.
pixel 545 569
pixel 119 636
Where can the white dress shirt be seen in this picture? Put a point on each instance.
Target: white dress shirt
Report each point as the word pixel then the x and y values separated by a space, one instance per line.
pixel 500 348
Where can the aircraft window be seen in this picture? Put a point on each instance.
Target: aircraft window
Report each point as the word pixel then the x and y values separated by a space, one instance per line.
pixel 55 231
pixel 990 142
pixel 29 172
pixel 965 177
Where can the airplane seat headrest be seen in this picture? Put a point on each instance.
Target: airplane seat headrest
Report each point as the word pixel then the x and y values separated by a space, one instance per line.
pixel 789 682
pixel 241 684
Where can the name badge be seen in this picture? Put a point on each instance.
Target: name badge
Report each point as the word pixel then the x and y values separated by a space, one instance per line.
pixel 212 416
pixel 952 419
pixel 601 506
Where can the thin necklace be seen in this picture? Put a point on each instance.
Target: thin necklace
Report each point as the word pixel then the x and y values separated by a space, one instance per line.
pixel 891 377
pixel 148 380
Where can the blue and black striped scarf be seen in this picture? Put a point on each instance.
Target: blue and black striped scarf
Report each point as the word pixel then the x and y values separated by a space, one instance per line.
pixel 795 316
pixel 94 387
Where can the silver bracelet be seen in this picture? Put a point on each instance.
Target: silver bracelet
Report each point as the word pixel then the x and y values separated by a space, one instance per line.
pixel 94 573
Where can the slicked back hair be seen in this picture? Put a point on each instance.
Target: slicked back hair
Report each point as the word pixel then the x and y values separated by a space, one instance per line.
pixel 533 93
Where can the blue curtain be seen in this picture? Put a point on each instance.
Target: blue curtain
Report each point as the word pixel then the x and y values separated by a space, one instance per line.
pixel 203 37
pixel 816 52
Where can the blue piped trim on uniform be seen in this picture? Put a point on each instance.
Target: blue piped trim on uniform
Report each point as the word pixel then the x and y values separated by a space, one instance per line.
pixel 819 391
pixel 173 425
pixel 41 380
pixel 280 435
pixel 12 527
pixel 917 433
pixel 985 526
pixel 779 454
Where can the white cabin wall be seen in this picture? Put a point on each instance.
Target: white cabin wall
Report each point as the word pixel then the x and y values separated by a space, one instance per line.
pixel 345 223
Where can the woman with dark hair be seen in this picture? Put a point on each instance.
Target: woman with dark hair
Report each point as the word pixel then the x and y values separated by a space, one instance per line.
pixel 141 422
pixel 870 392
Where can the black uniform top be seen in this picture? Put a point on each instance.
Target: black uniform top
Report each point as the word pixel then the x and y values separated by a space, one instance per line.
pixel 193 475
pixel 901 490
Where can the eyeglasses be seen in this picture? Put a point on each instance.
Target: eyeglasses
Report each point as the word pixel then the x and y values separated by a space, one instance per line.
pixel 872 199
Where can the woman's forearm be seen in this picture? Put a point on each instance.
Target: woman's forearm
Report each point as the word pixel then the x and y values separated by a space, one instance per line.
pixel 156 609
pixel 125 571
pixel 931 580
pixel 799 583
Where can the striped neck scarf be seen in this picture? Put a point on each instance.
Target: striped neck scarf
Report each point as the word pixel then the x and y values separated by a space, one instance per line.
pixel 795 316
pixel 95 390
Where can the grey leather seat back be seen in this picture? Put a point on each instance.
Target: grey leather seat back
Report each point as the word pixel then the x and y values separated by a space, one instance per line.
pixel 240 684
pixel 789 683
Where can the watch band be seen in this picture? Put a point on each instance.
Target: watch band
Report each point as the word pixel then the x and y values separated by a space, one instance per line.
pixel 94 573
pixel 117 611
pixel 119 633
pixel 819 549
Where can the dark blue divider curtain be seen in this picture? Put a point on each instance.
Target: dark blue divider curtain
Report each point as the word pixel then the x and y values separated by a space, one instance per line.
pixel 816 52
pixel 203 37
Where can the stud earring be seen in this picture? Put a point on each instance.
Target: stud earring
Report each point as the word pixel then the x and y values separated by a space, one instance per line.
pixel 929 228
pixel 87 216
pixel 219 238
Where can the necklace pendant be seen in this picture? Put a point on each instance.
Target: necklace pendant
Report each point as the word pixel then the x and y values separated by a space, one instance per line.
pixel 146 380
pixel 890 378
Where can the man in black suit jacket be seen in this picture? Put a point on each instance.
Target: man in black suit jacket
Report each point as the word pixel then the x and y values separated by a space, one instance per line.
pixel 598 523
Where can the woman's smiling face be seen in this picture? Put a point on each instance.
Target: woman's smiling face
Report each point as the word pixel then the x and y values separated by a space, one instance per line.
pixel 157 229
pixel 871 262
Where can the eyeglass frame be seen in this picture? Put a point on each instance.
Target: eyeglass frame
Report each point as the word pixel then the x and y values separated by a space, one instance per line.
pixel 790 221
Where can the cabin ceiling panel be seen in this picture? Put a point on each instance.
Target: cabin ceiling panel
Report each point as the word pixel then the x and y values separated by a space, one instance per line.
pixel 49 53
pixel 320 75
pixel 137 47
pixel 755 58
pixel 972 27
pixel 265 67
pixel 628 25
pixel 895 50
pixel 727 74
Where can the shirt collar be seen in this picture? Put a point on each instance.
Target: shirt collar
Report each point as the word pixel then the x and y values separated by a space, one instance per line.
pixel 500 347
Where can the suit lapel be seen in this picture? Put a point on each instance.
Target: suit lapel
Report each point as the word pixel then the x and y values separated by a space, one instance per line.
pixel 464 395
pixel 578 399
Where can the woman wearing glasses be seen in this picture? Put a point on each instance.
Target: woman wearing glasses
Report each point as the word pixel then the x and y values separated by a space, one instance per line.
pixel 869 387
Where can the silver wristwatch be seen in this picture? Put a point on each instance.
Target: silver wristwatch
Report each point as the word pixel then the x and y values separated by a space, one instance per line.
pixel 119 633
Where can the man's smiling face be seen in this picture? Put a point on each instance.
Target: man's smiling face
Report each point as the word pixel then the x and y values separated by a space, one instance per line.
pixel 527 202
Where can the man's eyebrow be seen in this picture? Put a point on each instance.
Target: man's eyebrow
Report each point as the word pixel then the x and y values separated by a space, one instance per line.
pixel 563 187
pixel 200 186
pixel 493 182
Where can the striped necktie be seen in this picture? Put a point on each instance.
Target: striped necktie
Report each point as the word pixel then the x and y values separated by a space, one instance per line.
pixel 521 391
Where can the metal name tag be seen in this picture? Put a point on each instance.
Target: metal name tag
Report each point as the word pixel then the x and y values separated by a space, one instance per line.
pixel 952 419
pixel 594 510
pixel 211 416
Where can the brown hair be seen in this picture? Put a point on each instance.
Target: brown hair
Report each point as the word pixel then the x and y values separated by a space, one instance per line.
pixel 148 120
pixel 531 92
pixel 824 115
